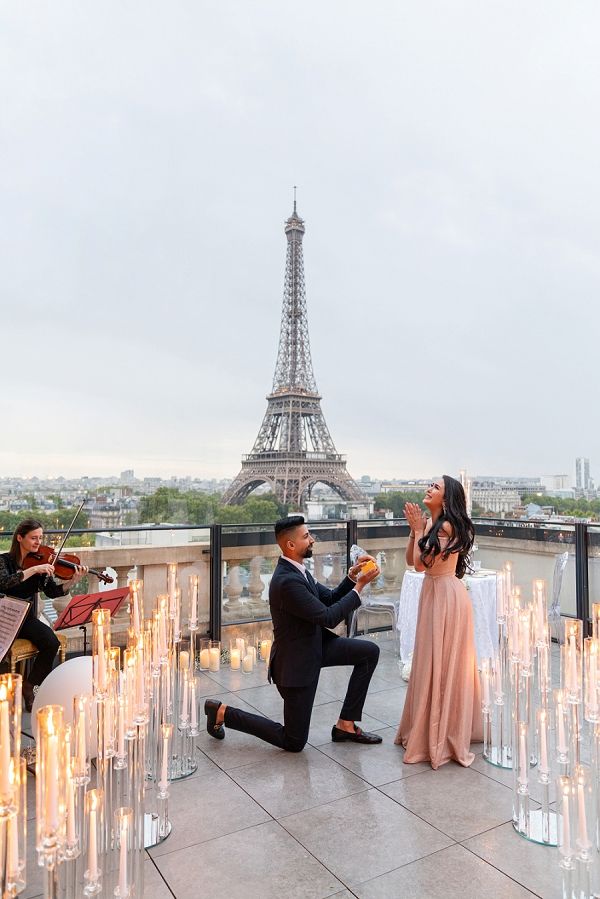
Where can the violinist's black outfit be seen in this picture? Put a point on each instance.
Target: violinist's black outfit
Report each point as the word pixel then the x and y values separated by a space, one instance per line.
pixel 42 636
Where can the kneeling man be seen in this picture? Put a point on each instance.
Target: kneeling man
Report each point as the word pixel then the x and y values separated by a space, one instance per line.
pixel 302 611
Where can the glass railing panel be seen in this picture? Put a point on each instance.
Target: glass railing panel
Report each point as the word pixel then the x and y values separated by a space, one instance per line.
pixel 536 550
pixel 593 564
pixel 386 541
pixel 250 554
pixel 143 553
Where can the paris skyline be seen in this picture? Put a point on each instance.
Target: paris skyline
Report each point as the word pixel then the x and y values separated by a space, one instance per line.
pixel 450 201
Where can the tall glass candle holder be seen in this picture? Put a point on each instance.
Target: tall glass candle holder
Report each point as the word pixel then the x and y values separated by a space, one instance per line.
pixel 592 679
pixel 100 650
pixel 264 647
pixel 50 784
pixel 124 846
pixel 571 654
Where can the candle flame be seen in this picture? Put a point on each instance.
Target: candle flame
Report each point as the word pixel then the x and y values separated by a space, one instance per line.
pixel 3 692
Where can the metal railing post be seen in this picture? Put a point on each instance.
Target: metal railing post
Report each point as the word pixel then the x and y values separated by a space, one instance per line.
pixel 216 581
pixel 351 537
pixel 582 593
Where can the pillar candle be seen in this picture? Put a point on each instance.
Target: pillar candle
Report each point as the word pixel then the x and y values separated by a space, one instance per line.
pixel 265 649
pixel 214 655
pixel 247 663
pixel 241 645
pixel 184 659
pixel 235 659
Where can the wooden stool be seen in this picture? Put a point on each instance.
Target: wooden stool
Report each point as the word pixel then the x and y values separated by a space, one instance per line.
pixel 22 650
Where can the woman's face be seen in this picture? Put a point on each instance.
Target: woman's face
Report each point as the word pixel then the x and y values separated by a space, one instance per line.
pixel 31 541
pixel 434 497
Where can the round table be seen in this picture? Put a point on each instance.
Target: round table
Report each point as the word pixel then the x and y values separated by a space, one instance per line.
pixel 482 592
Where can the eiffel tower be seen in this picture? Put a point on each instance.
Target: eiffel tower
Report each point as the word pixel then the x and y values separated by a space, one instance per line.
pixel 293 450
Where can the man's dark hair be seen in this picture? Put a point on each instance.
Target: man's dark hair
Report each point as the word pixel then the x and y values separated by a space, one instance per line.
pixel 288 524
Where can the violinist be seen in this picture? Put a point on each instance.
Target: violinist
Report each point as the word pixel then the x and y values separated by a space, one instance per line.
pixel 25 582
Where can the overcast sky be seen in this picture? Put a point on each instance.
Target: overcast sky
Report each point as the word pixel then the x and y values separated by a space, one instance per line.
pixel 447 157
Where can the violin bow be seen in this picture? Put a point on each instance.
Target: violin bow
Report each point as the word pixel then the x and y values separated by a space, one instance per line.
pixel 70 528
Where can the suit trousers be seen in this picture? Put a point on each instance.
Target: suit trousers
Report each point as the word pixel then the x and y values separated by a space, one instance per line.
pixel 46 643
pixel 298 702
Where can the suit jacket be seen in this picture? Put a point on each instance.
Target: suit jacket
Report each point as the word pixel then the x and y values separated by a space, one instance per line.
pixel 301 610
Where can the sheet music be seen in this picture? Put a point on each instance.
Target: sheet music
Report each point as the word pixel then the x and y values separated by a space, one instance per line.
pixel 12 615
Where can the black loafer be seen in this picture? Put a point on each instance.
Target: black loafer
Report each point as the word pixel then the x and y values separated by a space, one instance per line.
pixel 359 736
pixel 211 707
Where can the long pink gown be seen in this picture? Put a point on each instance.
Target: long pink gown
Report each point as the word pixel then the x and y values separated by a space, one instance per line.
pixel 442 712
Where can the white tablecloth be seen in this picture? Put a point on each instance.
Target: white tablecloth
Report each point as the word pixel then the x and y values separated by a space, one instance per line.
pixel 482 590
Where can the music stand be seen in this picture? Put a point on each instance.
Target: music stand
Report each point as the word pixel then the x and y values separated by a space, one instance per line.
pixel 79 611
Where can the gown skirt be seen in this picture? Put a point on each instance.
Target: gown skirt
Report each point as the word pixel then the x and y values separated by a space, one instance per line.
pixel 442 712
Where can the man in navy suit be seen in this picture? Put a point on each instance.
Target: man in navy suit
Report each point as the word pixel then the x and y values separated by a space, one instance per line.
pixel 302 611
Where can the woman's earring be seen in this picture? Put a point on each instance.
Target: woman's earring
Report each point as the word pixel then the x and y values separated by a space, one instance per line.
pixel 444 508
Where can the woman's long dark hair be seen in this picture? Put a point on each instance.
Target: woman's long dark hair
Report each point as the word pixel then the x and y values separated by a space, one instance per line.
pixel 27 525
pixel 463 533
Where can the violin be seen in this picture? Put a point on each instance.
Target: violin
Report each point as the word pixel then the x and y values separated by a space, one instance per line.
pixel 65 564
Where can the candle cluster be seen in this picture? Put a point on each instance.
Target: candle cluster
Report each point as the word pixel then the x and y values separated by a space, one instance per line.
pixel 578 786
pixel 245 653
pixel 13 789
pixel 517 704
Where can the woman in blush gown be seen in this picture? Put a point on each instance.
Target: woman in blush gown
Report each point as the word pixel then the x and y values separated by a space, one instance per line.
pixel 442 712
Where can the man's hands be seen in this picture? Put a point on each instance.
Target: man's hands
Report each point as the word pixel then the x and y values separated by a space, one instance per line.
pixel 365 571
pixel 416 518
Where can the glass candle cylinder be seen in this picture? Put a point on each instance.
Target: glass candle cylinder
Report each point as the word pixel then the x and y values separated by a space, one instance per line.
pixel 592 680
pixel 136 605
pixel 124 845
pixel 50 774
pixel 565 834
pixel 81 739
pixel 193 589
pixel 10 735
pixel 214 655
pixel 193 707
pixel 171 586
pixel 204 654
pixel 235 656
pixel 248 662
pixel 94 819
pixel 571 660
pixel 264 648
pixel 166 732
pixel 100 651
